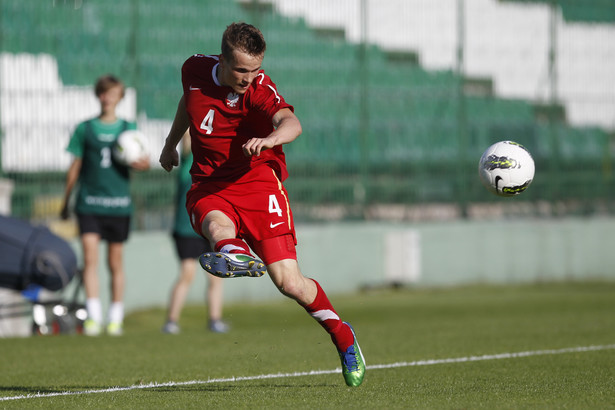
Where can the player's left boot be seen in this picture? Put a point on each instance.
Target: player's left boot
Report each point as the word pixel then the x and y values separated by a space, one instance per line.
pixel 218 326
pixel 91 328
pixel 232 265
pixel 171 328
pixel 115 329
pixel 353 363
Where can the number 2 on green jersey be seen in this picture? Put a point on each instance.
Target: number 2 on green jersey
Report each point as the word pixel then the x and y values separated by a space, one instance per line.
pixel 105 157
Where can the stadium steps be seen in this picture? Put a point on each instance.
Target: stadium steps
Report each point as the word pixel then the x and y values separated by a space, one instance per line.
pixel 587 11
pixel 406 58
pixel 545 113
pixel 319 75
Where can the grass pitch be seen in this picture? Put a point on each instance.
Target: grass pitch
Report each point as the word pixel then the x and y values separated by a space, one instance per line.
pixel 534 346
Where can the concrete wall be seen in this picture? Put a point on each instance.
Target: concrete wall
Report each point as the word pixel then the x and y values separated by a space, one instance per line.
pixel 347 256
pixel 6 189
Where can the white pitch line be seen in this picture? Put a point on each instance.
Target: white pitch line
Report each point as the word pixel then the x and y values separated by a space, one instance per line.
pixel 430 362
pixel 494 356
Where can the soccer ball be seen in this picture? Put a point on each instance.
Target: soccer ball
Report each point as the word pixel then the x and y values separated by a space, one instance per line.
pixel 506 168
pixel 130 146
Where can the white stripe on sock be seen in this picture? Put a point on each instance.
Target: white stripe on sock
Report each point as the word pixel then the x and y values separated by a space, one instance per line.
pixel 322 315
pixel 230 247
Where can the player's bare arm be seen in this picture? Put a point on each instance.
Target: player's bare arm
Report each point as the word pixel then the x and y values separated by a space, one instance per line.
pixel 169 157
pixel 71 179
pixel 287 129
pixel 142 164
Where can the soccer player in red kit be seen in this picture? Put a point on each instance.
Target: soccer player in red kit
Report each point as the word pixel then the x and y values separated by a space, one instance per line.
pixel 238 123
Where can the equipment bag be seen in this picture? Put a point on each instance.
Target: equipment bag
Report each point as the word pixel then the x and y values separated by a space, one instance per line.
pixel 33 255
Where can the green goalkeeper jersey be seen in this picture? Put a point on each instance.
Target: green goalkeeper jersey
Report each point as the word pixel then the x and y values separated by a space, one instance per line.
pixel 182 226
pixel 104 184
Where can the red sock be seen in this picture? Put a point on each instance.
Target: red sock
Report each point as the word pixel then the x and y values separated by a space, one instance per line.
pixel 323 312
pixel 234 245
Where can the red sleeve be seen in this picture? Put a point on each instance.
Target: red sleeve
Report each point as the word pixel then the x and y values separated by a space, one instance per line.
pixel 266 98
pixel 196 69
pixel 187 72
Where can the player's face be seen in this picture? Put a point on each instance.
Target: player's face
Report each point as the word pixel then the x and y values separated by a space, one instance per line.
pixel 239 72
pixel 111 98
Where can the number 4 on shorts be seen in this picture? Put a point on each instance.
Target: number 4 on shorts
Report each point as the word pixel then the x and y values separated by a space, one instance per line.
pixel 274 206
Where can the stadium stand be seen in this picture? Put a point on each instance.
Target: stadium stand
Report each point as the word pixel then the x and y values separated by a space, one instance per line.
pixel 384 129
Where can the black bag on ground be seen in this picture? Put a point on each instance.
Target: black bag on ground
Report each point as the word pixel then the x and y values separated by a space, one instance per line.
pixel 33 255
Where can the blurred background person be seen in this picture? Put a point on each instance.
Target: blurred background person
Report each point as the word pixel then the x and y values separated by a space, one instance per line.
pixel 103 202
pixel 189 246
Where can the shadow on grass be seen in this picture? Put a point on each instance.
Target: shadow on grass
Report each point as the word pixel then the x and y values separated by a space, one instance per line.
pixel 212 388
pixel 225 388
pixel 44 390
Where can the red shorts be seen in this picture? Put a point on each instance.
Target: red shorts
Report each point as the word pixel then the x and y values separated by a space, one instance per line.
pixel 257 203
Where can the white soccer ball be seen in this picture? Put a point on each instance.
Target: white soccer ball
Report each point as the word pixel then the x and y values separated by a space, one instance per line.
pixel 506 168
pixel 131 145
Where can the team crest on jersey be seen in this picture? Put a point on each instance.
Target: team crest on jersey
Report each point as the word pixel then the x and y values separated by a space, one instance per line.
pixel 232 99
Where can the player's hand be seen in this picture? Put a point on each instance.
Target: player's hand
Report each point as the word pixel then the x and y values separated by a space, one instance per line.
pixel 65 212
pixel 255 146
pixel 142 164
pixel 169 158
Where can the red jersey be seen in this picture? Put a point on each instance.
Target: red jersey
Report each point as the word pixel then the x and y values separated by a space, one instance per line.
pixel 221 121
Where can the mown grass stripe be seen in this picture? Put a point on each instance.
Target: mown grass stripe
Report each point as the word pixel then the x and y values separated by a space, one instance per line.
pixel 430 362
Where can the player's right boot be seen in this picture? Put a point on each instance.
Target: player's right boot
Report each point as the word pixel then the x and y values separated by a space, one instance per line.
pixel 232 265
pixel 353 363
pixel 115 329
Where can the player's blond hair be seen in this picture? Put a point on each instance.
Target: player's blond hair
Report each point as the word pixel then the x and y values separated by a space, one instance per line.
pixel 244 37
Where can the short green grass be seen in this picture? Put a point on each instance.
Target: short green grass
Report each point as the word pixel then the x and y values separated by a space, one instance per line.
pixel 394 326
